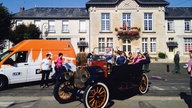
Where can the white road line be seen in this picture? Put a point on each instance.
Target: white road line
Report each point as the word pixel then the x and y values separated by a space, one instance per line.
pixel 157 88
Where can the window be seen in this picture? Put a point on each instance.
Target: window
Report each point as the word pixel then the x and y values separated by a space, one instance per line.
pixel 65 26
pixel 126 45
pixel 19 22
pixel 144 45
pixel 38 24
pixel 170 25
pixel 127 19
pixel 101 44
pixel 188 44
pixel 82 26
pixel 51 26
pixel 153 44
pixel 19 57
pixel 105 22
pixel 65 39
pixel 109 42
pixel 148 21
pixel 187 25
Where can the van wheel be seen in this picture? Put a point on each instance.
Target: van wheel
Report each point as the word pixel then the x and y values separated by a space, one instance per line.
pixel 96 96
pixel 3 83
pixel 144 84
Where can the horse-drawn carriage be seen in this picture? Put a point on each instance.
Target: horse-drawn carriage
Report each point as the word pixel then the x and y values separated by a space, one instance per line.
pixel 93 84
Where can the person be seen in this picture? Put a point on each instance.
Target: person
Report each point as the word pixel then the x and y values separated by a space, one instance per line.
pixel 45 68
pixel 89 57
pixel 130 58
pixel 176 61
pixel 146 65
pixel 189 69
pixel 139 57
pixel 109 58
pixel 122 59
pixel 58 67
pixel 109 55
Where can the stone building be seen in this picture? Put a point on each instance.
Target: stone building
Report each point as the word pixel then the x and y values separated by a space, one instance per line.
pixel 128 25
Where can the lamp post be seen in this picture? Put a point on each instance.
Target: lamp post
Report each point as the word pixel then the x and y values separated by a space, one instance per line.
pixel 46 30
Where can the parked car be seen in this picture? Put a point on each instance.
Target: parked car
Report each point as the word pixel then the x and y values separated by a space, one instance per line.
pixel 95 83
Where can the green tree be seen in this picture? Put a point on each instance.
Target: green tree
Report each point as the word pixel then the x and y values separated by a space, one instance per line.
pixel 23 32
pixel 5 24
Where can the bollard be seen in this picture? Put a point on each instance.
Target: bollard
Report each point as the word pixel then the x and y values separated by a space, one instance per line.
pixel 167 67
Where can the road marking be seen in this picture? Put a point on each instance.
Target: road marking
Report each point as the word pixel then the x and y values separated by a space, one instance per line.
pixel 5 104
pixel 157 88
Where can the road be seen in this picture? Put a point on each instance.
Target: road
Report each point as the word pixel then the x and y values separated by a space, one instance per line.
pixel 167 90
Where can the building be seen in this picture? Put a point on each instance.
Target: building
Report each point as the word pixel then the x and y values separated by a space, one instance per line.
pixel 128 25
pixel 59 24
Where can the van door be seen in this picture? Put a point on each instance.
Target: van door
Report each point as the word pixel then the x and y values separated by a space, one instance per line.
pixel 16 67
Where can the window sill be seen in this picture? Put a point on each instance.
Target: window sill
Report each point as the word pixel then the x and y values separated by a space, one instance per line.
pixel 52 31
pixel 171 31
pixel 105 32
pixel 190 31
pixel 149 31
pixel 65 31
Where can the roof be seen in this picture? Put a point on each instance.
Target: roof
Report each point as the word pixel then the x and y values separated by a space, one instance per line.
pixel 53 13
pixel 178 12
pixel 113 2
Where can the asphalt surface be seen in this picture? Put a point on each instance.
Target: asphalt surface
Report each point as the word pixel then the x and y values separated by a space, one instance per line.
pixel 167 90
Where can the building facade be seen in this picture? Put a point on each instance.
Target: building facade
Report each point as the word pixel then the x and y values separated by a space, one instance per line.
pixel 128 25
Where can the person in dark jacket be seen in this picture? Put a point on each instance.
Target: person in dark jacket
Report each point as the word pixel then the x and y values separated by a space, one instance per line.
pixel 148 61
pixel 176 61
pixel 122 59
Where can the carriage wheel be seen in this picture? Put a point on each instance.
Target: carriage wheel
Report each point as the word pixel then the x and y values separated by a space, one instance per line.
pixel 144 85
pixel 62 92
pixel 96 96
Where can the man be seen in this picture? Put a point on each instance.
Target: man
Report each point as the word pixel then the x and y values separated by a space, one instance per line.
pixel 146 65
pixel 109 55
pixel 190 69
pixel 109 59
pixel 176 61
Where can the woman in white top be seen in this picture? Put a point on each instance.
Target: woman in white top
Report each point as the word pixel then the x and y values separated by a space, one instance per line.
pixel 45 68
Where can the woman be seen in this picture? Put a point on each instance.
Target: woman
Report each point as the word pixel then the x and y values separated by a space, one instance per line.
pixel 45 68
pixel 130 58
pixel 139 57
pixel 190 69
pixel 58 66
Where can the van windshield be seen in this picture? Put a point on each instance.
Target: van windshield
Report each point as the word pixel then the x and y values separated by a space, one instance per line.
pixel 5 54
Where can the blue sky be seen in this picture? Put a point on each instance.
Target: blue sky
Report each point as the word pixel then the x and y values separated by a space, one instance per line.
pixel 14 5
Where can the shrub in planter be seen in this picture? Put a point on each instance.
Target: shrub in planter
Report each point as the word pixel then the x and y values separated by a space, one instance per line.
pixel 161 55
pixel 81 58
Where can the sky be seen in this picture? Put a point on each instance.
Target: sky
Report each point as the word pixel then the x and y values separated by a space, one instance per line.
pixel 14 5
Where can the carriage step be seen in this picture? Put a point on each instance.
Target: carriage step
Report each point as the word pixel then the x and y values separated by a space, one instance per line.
pixel 126 85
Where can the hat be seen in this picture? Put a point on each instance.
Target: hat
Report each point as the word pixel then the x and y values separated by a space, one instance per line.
pixel 190 50
pixel 138 52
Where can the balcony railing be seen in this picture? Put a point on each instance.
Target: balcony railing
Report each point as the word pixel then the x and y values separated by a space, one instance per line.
pixel 82 44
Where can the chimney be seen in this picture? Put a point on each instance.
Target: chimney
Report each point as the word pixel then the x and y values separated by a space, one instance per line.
pixel 22 9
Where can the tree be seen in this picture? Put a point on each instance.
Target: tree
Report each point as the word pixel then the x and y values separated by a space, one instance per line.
pixel 23 32
pixel 5 24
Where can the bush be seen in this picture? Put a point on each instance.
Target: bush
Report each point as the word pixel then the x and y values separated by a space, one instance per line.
pixel 81 58
pixel 162 55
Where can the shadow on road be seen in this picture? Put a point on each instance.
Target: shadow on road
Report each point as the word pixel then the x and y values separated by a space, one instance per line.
pixel 187 98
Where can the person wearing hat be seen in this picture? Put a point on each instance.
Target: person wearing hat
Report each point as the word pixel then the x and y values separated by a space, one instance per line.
pixel 189 69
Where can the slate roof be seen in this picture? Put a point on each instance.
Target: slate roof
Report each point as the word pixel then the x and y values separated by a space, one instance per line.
pixel 178 13
pixel 53 13
pixel 113 2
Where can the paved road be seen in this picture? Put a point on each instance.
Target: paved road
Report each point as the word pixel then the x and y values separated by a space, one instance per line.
pixel 167 90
